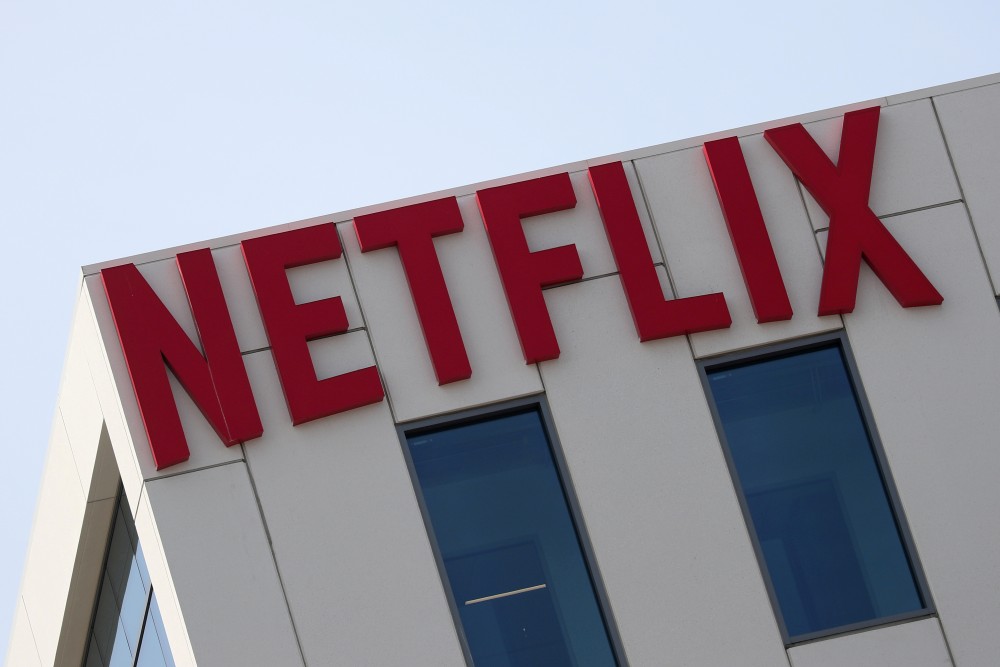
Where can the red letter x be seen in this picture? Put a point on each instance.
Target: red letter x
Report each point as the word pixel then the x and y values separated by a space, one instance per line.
pixel 855 231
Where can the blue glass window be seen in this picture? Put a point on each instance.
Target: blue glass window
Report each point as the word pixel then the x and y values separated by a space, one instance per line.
pixel 828 537
pixel 126 629
pixel 509 547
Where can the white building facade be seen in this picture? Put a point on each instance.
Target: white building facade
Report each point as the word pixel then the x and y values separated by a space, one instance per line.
pixel 626 411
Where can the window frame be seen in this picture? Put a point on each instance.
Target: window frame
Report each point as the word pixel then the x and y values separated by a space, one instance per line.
pixel 834 339
pixel 535 403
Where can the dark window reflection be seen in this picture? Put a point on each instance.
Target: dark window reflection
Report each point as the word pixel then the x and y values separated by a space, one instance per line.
pixel 814 492
pixel 126 621
pixel 509 546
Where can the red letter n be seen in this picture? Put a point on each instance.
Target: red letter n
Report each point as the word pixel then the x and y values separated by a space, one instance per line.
pixel 152 339
pixel 855 231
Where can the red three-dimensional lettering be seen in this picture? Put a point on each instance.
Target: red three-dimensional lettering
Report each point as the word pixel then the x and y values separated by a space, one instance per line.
pixel 855 231
pixel 654 316
pixel 289 325
pixel 412 229
pixel 151 340
pixel 747 231
pixel 522 272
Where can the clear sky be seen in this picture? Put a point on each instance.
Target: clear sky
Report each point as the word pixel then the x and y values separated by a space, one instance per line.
pixel 132 126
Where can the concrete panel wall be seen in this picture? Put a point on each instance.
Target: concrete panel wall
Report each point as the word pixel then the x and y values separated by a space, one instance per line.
pixel 971 123
pixel 54 540
pixel 933 377
pixel 347 535
pixel 915 644
pixel 654 489
pixel 220 562
pixel 22 649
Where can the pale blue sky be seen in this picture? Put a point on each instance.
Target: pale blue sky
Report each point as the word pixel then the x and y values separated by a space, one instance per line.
pixel 132 126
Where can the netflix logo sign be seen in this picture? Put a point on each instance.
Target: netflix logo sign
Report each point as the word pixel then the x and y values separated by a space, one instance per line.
pixel 217 381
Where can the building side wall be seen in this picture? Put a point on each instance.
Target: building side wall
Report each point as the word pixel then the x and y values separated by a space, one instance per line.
pixel 307 545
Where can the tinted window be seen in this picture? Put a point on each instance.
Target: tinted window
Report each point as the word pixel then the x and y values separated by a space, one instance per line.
pixel 814 492
pixel 509 545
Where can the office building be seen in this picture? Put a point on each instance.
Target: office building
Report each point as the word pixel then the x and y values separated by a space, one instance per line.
pixel 726 401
